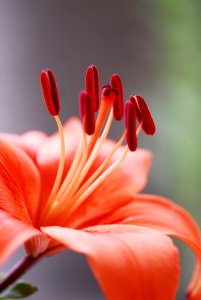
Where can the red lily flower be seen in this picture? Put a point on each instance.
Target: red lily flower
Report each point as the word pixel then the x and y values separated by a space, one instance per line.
pixel 85 197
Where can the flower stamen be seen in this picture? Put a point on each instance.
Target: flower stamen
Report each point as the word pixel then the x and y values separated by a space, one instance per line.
pixel 92 183
pixel 118 105
pixel 82 148
pixel 92 86
pixel 98 181
pixel 51 97
pixel 108 97
pixel 61 162
pixel 87 113
pixel 68 189
pixel 50 92
pixel 130 125
pixel 144 115
pixel 87 148
pixel 101 167
pixel 79 184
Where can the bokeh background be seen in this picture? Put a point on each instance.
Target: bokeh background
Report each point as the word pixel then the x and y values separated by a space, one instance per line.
pixel 156 47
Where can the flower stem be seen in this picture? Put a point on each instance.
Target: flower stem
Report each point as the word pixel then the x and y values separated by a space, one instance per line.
pixel 17 271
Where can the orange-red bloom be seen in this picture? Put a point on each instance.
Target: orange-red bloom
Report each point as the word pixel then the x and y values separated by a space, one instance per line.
pixel 79 190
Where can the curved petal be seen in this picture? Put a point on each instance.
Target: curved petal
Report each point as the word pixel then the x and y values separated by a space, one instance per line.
pixel 50 151
pixel 117 189
pixel 13 233
pixel 19 183
pixel 29 141
pixel 133 170
pixel 128 261
pixel 164 215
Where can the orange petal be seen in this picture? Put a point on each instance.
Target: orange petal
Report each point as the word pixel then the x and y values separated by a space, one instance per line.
pixel 29 141
pixel 162 214
pixel 50 151
pixel 128 261
pixel 135 169
pixel 19 183
pixel 117 189
pixel 13 233
pixel 132 172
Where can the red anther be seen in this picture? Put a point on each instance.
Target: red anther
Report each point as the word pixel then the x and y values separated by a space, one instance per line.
pixel 92 85
pixel 50 92
pixel 138 112
pixel 130 125
pixel 109 95
pixel 106 86
pixel 87 113
pixel 118 105
pixel 147 121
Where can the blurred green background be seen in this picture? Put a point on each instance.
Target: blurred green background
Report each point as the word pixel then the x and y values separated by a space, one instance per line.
pixel 156 47
pixel 180 108
pixel 177 168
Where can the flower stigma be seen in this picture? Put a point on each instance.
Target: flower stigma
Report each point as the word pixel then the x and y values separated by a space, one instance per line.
pixel 96 114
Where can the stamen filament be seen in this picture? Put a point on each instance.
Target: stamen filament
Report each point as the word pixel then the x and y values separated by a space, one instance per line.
pixel 67 209
pixel 98 181
pixel 100 168
pixel 96 149
pixel 77 173
pixel 60 168
pixel 82 171
pixel 71 179
pixel 76 161
pixel 102 115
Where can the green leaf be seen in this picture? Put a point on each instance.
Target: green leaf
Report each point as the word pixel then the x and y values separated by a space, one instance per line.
pixel 19 291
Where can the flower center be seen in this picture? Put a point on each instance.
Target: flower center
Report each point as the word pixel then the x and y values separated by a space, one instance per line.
pixel 67 196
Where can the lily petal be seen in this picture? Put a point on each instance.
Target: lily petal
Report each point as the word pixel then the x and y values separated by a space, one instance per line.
pixel 13 233
pixel 127 180
pixel 19 183
pixel 50 151
pixel 164 215
pixel 133 170
pixel 29 141
pixel 128 261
